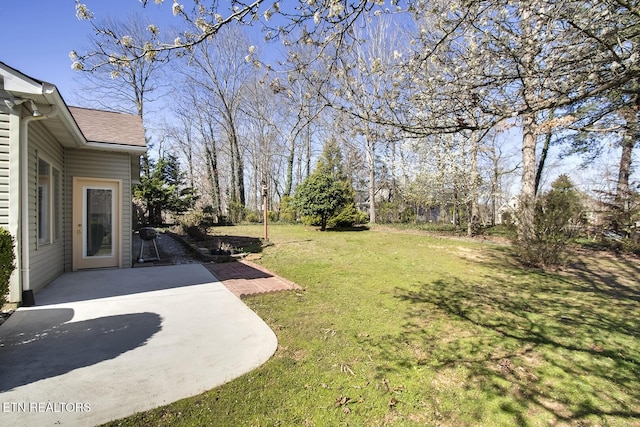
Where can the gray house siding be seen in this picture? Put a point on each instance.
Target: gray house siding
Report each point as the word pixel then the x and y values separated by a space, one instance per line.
pixel 41 156
pixel 46 259
pixel 4 169
pixel 10 188
pixel 103 165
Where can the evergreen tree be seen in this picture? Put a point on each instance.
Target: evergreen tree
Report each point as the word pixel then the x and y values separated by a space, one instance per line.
pixel 558 216
pixel 162 188
pixel 320 195
pixel 326 192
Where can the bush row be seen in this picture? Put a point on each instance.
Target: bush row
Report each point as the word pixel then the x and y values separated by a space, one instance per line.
pixel 6 263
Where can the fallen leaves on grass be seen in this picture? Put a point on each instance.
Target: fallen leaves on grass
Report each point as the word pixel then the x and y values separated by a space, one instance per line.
pixel 346 369
pixel 342 400
pixel 387 386
pixel 506 365
pixel 328 333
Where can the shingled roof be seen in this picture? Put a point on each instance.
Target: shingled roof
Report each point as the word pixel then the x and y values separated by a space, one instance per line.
pixel 109 127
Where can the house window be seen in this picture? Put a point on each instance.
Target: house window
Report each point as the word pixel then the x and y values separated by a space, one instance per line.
pixel 56 228
pixel 49 219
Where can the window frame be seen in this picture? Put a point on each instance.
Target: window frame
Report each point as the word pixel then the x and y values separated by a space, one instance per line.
pixel 48 202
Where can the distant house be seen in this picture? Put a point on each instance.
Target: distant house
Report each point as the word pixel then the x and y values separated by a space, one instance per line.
pixel 65 182
pixel 507 213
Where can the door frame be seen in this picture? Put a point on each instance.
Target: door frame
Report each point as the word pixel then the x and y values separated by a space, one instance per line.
pixel 78 229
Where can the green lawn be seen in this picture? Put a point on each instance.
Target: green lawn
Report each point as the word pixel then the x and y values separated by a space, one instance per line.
pixel 401 328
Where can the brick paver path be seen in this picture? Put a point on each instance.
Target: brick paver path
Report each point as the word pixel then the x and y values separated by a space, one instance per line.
pixel 245 278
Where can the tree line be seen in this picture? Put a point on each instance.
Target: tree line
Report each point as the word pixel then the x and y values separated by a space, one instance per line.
pixel 421 97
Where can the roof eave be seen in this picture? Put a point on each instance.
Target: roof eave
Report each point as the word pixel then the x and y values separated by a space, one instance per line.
pixel 63 112
pixel 17 83
pixel 103 146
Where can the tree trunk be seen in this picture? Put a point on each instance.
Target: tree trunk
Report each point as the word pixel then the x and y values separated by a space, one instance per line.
pixel 308 154
pixel 622 189
pixel 155 214
pixel 145 166
pixel 290 160
pixel 473 225
pixel 214 180
pixel 527 208
pixel 240 178
pixel 232 165
pixel 528 182
pixel 371 160
pixel 623 195
pixel 494 188
pixel 323 222
pixel 192 183
pixel 238 171
pixel 543 159
pixel 456 208
pixel 543 155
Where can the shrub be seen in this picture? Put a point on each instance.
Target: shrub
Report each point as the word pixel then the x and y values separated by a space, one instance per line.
pixel 408 215
pixel 388 212
pixel 288 212
pixel 209 216
pixel 348 217
pixel 196 232
pixel 253 217
pixel 311 220
pixel 327 191
pixel 361 217
pixel 610 241
pixel 558 215
pixel 191 219
pixel 344 218
pixel 236 212
pixel 6 263
pixel 630 245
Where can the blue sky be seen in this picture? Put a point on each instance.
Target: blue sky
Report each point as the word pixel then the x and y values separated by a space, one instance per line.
pixel 37 35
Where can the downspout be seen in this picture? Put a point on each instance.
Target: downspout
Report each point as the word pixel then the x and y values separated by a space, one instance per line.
pixel 24 195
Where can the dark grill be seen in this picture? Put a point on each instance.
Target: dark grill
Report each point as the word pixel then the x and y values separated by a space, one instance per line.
pixel 148 234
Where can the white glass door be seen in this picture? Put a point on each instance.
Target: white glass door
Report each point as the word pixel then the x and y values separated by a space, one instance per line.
pixel 96 223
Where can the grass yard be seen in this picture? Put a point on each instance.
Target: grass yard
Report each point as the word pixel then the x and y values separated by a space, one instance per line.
pixel 400 328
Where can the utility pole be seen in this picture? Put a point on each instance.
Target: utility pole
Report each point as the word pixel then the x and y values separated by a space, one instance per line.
pixel 264 210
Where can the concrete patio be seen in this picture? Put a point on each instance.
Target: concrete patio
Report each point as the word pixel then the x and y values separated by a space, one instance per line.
pixel 105 344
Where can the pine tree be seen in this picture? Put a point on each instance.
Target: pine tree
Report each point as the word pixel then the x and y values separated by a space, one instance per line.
pixel 162 188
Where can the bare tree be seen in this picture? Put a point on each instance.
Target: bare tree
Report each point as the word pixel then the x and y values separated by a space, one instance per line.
pixel 499 155
pixel 219 67
pixel 508 61
pixel 325 22
pixel 366 83
pixel 301 106
pixel 264 144
pixel 182 134
pixel 123 85
pixel 471 64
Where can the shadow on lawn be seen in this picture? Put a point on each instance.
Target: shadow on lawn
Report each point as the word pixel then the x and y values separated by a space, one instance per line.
pixel 621 285
pixel 355 228
pixel 565 343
